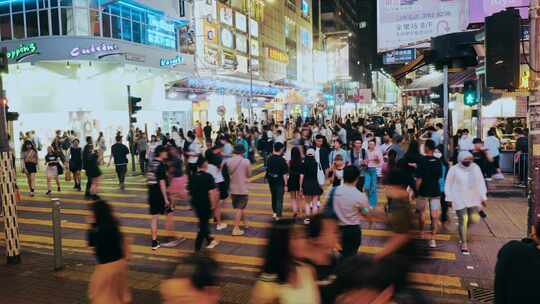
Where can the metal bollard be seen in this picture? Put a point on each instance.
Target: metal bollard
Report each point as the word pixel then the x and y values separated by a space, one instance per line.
pixel 57 234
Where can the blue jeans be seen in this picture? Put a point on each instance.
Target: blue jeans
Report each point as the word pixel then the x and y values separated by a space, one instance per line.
pixel 370 186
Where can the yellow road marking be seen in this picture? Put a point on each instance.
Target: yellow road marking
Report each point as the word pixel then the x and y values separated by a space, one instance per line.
pixel 438 281
pixel 441 255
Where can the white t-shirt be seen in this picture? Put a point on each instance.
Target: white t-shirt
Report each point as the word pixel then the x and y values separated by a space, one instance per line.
pixel 348 203
pixel 216 173
pixel 194 148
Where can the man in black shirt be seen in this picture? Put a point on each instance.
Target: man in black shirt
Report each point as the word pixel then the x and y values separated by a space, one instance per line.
pixel 276 175
pixel 428 174
pixel 204 198
pixel 208 131
pixel 119 152
pixel 157 193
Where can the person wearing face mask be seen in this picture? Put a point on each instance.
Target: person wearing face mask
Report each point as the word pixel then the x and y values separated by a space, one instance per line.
pixel 466 189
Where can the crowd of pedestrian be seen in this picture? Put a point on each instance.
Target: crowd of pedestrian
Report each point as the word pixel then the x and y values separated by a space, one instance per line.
pixel 311 257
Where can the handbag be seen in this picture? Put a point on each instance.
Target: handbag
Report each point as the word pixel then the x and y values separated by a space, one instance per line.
pixel 321 178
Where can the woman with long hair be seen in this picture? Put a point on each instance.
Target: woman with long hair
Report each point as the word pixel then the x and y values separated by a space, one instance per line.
pixel 284 278
pixel 108 283
pixel 309 184
pixel 293 183
pixel 29 163
pixel 75 163
pixel 53 162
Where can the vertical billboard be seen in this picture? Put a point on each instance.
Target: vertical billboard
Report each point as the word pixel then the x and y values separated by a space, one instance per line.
pixel 403 23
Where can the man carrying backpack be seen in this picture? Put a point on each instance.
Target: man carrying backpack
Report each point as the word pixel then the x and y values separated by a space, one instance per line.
pixel 276 175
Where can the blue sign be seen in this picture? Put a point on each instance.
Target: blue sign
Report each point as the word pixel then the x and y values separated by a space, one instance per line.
pixel 171 62
pixel 399 56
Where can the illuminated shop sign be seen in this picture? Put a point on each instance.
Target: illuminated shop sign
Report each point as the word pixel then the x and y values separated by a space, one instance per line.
pixel 22 51
pixel 278 55
pixel 161 32
pixel 227 38
pixel 253 28
pixel 241 21
pixel 171 62
pixel 94 49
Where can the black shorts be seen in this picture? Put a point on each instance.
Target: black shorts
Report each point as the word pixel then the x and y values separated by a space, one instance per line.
pixel 30 167
pixel 223 190
pixel 239 201
pixel 157 202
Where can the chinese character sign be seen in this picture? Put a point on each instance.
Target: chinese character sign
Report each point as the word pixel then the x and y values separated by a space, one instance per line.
pixel 406 22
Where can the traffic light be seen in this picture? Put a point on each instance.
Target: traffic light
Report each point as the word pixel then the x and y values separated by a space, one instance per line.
pixel 134 108
pixel 503 34
pixel 470 95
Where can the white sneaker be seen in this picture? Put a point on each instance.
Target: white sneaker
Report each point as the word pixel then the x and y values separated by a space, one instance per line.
pixel 212 244
pixel 238 232
pixel 432 244
pixel 307 221
pixel 221 226
pixel 498 176
pixel 488 179
pixel 274 216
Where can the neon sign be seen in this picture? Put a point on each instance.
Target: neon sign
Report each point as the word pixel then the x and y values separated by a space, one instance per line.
pixel 22 51
pixel 171 62
pixel 93 49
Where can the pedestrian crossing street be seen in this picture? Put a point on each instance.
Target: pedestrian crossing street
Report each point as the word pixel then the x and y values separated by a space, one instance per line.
pixel 239 253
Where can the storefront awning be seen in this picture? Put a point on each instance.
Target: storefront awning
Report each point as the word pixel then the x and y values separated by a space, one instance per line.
pixel 422 86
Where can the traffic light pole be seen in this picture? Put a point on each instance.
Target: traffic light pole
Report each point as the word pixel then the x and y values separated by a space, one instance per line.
pixel 131 133
pixel 534 117
pixel 446 138
pixel 7 190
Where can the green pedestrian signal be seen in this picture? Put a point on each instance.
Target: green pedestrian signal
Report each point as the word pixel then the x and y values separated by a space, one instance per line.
pixel 470 95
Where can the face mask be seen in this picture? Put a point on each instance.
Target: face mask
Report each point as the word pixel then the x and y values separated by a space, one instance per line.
pixel 466 163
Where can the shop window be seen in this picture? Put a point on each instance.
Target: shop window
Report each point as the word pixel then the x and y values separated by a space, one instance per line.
pixel 116 27
pixel 16 6
pixel 126 30
pixel 43 3
pixel 4 8
pixel 66 2
pixel 30 5
pixel 67 21
pixel 44 23
pixel 32 24
pixel 94 4
pixel 5 27
pixel 94 23
pixel 137 32
pixel 18 26
pixel 106 18
pixel 54 3
pixel 55 21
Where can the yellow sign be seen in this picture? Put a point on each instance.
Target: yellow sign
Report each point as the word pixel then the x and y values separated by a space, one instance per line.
pixel 524 75
pixel 278 55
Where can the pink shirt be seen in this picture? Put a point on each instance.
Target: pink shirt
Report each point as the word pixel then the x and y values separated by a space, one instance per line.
pixel 373 156
pixel 239 171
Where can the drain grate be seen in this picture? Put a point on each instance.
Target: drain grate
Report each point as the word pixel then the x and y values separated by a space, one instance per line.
pixel 481 295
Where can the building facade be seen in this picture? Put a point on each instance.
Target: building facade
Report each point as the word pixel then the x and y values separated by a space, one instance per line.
pixel 72 64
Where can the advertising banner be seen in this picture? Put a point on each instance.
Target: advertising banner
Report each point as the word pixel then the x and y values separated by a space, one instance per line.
pixel 403 23
pixel 480 9
pixel 399 56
